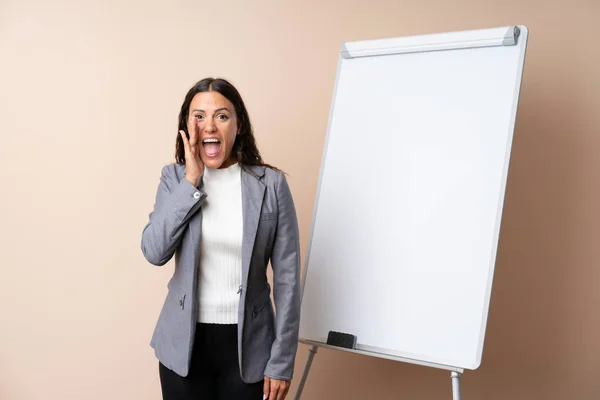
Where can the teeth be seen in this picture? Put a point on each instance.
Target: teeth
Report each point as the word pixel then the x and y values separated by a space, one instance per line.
pixel 211 141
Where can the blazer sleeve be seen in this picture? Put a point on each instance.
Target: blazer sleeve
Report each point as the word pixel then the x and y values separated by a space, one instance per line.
pixel 285 261
pixel 176 201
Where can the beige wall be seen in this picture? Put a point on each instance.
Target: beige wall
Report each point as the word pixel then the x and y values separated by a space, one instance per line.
pixel 89 96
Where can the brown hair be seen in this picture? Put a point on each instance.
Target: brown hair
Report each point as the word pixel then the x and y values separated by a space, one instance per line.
pixel 244 147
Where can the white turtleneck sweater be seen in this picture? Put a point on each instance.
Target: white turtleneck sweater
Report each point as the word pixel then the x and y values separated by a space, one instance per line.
pixel 220 269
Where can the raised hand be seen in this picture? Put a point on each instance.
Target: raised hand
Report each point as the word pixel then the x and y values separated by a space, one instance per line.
pixel 194 168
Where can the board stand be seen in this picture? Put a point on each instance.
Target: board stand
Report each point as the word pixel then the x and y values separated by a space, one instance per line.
pixel 455 385
pixel 311 355
pixel 455 374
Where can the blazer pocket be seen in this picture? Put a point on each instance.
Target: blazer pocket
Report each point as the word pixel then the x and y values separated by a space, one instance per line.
pixel 177 295
pixel 260 301
pixel 268 216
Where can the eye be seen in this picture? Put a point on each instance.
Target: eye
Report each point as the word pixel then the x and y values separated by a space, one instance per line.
pixel 199 117
pixel 223 117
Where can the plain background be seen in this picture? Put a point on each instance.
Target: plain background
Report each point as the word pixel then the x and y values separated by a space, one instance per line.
pixel 89 96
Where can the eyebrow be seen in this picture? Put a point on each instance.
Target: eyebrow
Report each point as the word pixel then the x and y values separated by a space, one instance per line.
pixel 218 109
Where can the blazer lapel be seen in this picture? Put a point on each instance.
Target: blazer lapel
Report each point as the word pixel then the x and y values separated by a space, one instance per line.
pixel 253 192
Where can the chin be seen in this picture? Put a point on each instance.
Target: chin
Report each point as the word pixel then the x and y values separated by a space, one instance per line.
pixel 214 164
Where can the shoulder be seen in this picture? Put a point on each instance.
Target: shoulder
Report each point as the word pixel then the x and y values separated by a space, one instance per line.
pixel 274 177
pixel 278 183
pixel 268 176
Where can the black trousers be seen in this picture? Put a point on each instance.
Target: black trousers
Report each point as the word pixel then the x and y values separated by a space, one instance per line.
pixel 214 371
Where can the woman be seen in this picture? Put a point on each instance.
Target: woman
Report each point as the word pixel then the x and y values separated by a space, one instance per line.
pixel 224 214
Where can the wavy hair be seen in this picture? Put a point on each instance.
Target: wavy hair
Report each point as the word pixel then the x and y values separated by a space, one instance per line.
pixel 244 147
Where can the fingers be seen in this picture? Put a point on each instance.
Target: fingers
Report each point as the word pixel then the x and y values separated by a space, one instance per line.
pixel 285 392
pixel 193 130
pixel 186 144
pixel 282 392
pixel 271 388
pixel 266 387
pixel 191 149
pixel 278 389
pixel 274 392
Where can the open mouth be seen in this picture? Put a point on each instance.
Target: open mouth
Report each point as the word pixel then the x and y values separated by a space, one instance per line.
pixel 211 147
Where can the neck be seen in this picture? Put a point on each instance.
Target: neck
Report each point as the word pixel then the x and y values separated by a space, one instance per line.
pixel 228 163
pixel 222 174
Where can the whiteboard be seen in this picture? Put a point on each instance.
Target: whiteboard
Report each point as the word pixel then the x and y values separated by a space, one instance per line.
pixel 407 215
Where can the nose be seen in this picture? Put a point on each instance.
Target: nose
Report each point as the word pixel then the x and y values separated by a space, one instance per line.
pixel 209 125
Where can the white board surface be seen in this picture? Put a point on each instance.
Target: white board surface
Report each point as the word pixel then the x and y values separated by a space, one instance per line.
pixel 409 204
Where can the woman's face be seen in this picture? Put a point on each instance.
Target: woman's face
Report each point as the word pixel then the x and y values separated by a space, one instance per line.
pixel 216 123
